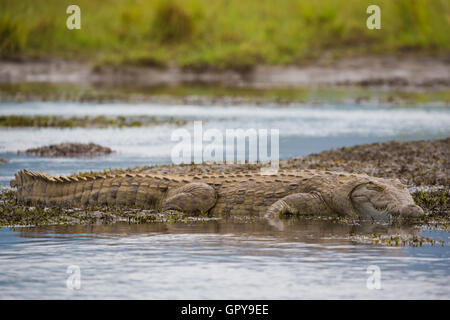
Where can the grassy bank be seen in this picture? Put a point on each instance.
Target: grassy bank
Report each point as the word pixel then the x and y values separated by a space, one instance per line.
pixel 220 34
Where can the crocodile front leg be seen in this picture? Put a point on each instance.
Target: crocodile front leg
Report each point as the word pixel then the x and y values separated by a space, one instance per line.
pixel 192 198
pixel 299 203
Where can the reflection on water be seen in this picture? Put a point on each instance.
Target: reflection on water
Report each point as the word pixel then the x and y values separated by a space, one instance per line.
pixel 294 229
pixel 217 259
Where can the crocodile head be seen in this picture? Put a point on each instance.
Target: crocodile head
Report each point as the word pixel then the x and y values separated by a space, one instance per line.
pixel 379 200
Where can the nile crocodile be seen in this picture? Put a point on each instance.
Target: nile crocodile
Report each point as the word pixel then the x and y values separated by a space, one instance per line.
pixel 288 192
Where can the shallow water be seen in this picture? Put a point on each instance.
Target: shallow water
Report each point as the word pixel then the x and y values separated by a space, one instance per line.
pixel 217 259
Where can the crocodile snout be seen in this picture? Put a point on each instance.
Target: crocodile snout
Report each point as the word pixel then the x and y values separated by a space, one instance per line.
pixel 411 210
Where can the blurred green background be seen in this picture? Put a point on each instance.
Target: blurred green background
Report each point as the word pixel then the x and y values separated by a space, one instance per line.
pixel 220 34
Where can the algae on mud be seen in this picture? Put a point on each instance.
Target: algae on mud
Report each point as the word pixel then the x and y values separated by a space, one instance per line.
pixel 69 150
pixel 51 121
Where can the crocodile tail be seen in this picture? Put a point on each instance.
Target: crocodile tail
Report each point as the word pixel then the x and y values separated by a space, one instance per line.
pixel 88 190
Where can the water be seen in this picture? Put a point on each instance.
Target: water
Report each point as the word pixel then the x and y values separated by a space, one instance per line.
pixel 214 260
pixel 217 259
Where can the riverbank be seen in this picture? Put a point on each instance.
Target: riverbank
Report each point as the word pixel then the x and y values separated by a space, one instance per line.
pixel 406 72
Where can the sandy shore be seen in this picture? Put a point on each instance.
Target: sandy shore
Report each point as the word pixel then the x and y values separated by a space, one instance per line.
pixel 406 71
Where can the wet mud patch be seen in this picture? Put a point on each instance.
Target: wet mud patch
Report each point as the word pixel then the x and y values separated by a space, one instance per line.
pixel 69 150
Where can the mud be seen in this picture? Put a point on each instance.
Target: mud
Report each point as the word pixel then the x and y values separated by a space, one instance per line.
pixel 69 150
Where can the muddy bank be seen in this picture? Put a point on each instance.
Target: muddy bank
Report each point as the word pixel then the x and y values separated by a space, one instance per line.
pixel 389 71
pixel 69 150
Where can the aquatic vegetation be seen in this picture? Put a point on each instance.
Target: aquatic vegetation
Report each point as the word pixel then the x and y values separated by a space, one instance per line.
pixel 49 121
pixel 435 202
pixel 399 240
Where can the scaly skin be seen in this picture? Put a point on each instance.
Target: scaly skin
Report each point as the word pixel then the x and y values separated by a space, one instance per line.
pixel 294 192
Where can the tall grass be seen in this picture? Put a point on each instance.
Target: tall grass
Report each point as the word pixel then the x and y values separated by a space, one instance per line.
pixel 172 22
pixel 12 36
pixel 221 33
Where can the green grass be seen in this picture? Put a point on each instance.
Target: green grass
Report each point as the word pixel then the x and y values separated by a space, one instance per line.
pixel 220 34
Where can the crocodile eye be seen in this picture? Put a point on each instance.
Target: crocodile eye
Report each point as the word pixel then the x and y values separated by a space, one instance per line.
pixel 374 187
